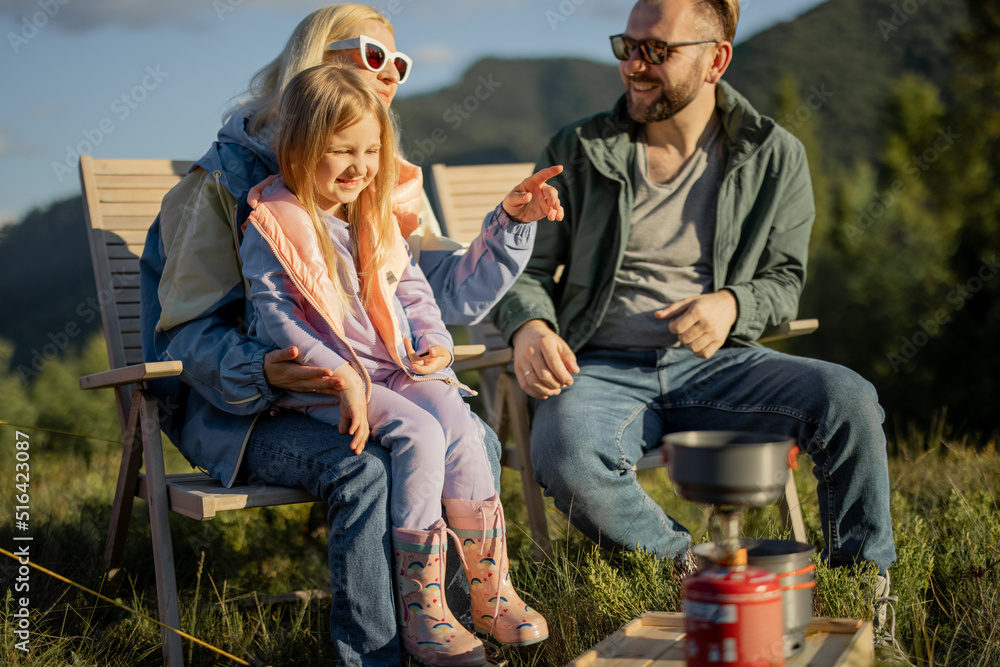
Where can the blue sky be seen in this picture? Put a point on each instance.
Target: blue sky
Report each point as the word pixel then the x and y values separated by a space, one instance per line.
pixel 151 78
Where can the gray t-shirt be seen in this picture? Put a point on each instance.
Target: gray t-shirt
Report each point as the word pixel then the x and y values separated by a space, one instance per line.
pixel 669 251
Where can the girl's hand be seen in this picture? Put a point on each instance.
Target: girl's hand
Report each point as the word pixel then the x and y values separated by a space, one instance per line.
pixel 353 407
pixel 533 199
pixel 437 358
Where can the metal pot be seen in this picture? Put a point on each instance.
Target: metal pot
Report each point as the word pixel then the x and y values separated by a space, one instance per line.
pixel 791 561
pixel 728 467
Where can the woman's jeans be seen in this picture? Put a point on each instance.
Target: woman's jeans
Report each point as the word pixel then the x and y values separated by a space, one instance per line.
pixel 292 449
pixel 585 441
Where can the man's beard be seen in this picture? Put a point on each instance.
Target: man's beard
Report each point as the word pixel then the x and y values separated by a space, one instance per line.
pixel 671 100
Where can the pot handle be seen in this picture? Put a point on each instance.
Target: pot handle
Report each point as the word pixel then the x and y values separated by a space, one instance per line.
pixel 793 461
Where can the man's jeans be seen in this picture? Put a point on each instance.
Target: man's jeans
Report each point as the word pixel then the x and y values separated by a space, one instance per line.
pixel 291 449
pixel 585 441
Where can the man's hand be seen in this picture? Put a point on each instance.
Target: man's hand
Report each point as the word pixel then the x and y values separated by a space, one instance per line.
pixel 283 372
pixel 702 322
pixel 436 359
pixel 533 199
pixel 543 362
pixel 353 407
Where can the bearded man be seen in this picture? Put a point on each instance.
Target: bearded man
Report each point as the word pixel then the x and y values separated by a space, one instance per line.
pixel 685 237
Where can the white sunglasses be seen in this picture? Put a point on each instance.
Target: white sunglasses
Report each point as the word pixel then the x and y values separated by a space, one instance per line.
pixel 375 55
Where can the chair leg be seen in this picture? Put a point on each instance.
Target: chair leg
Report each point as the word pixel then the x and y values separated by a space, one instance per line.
pixel 498 421
pixel 517 409
pixel 791 509
pixel 128 479
pixel 159 520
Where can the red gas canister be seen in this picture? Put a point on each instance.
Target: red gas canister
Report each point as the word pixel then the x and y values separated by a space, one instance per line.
pixel 732 618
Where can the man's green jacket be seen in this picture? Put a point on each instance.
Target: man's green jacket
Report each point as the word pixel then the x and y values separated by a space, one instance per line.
pixel 764 218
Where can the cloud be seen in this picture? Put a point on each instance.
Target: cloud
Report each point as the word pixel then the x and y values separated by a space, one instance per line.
pixel 434 54
pixel 7 218
pixel 45 110
pixel 87 15
pixel 14 148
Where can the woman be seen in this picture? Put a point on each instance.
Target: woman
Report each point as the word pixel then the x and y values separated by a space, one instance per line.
pixel 221 414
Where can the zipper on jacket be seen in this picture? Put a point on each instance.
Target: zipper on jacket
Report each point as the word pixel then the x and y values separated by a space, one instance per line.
pixel 364 372
pixel 397 333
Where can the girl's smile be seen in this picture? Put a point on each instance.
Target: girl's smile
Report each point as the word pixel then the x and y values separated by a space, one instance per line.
pixel 349 164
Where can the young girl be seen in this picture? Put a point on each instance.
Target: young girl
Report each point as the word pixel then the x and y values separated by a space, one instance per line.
pixel 329 273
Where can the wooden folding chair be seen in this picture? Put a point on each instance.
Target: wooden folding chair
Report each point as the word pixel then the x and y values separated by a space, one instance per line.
pixel 121 200
pixel 465 194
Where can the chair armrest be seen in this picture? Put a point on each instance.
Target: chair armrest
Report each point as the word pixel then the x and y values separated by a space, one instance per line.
pixel 484 360
pixel 131 374
pixel 789 330
pixel 465 352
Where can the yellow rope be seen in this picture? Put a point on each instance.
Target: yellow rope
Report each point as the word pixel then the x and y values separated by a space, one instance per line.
pixel 52 430
pixel 129 609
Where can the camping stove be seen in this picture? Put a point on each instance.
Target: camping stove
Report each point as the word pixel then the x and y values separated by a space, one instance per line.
pixel 733 610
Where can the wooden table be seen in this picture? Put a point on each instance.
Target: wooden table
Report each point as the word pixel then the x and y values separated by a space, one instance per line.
pixel 656 639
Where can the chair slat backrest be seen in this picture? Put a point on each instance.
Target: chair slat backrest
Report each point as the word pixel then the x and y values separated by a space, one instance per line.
pixel 467 193
pixel 121 200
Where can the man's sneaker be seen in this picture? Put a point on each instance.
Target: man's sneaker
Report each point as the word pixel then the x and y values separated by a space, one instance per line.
pixel 685 564
pixel 887 649
pixel 880 612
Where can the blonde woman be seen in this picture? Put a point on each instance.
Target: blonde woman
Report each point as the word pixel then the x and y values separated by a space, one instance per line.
pixel 223 413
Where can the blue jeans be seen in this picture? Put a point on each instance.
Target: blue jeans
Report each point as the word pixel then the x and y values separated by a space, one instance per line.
pixel 585 441
pixel 291 449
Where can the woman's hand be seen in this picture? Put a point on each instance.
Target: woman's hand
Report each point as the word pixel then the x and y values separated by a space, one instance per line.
pixel 283 372
pixel 533 199
pixel 437 358
pixel 353 407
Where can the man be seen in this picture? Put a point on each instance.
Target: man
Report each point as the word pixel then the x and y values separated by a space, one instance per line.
pixel 686 235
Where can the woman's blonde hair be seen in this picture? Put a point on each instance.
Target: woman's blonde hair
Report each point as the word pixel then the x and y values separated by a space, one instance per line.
pixel 305 48
pixel 316 104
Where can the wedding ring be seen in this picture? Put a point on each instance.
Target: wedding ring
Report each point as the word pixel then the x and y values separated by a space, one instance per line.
pixel 529 372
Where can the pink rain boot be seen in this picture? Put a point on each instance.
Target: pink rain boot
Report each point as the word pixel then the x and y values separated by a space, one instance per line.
pixel 496 608
pixel 427 627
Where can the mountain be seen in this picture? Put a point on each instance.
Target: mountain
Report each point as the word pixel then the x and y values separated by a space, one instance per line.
pixel 503 110
pixel 844 55
pixel 47 285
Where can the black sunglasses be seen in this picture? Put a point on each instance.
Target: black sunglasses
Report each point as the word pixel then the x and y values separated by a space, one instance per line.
pixel 653 51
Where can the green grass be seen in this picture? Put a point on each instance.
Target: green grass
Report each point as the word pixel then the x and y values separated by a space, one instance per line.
pixel 945 512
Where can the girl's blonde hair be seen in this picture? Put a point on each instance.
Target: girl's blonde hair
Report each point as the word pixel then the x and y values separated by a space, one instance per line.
pixel 316 104
pixel 305 48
